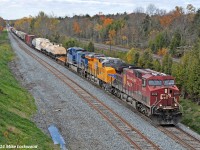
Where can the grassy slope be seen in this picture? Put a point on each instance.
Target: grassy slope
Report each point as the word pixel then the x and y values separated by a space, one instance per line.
pixel 16 107
pixel 191 114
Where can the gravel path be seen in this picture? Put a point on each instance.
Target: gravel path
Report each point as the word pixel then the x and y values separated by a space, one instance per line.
pixel 81 126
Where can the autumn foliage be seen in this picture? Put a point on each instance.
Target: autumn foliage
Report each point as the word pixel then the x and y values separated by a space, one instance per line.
pixel 162 51
pixel 107 21
pixel 76 27
pixel 2 24
pixel 167 19
pixel 23 24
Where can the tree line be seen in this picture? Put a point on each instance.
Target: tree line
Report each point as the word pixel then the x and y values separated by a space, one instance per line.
pixel 2 24
pixel 170 34
pixel 186 72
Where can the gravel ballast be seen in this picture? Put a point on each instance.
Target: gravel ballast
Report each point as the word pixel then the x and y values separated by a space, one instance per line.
pixel 81 126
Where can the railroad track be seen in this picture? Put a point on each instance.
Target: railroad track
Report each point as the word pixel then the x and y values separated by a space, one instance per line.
pixel 182 137
pixel 177 134
pixel 126 130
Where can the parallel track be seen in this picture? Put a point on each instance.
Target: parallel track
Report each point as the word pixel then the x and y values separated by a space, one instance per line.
pixel 130 133
pixel 177 134
pixel 183 138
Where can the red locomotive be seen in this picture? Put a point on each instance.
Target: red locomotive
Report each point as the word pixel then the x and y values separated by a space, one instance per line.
pixel 152 93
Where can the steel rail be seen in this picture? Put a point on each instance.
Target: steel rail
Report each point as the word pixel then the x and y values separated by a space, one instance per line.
pixel 182 137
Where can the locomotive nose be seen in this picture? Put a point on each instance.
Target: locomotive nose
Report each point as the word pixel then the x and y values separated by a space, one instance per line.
pixel 168 97
pixel 167 110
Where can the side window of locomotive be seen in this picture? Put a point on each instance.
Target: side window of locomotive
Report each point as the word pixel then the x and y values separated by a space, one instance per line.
pixel 144 82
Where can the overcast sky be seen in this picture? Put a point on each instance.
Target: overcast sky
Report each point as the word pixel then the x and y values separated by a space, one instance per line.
pixel 15 9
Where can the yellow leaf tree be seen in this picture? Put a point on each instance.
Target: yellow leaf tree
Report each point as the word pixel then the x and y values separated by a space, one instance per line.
pixel 76 27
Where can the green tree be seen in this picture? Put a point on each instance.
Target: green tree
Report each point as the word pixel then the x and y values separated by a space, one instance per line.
pixel 141 62
pixel 90 47
pixel 179 73
pixel 193 70
pixel 71 43
pixel 167 64
pixel 196 22
pixel 130 56
pixel 156 65
pixel 146 60
pixel 146 25
pixel 176 41
pixel 161 41
pixel 193 83
pixel 136 58
pixel 152 46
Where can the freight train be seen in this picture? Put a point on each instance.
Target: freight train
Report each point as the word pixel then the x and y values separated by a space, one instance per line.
pixel 150 92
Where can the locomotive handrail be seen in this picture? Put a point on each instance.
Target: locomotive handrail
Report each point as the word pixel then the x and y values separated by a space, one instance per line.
pixel 154 105
pixel 180 107
pixel 157 102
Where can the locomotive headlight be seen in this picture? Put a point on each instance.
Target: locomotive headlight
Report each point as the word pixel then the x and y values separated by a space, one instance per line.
pixel 154 94
pixel 175 105
pixel 160 105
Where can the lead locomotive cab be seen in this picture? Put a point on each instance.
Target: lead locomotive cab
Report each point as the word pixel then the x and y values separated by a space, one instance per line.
pixel 164 98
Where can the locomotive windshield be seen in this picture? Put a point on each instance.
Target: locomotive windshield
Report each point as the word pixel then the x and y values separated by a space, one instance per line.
pixel 155 82
pixel 168 82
